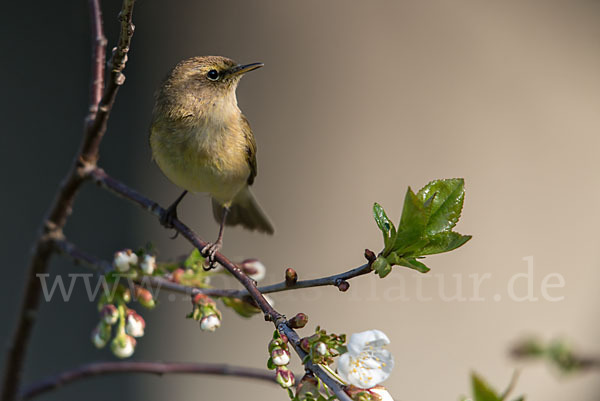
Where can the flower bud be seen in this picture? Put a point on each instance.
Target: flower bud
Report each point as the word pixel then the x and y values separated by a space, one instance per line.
pixel 284 377
pixel 308 388
pixel 135 324
pixel 280 357
pixel 343 286
pixel 109 314
pixel 101 335
pixel 361 394
pixel 144 297
pixel 126 295
pixel 254 269
pixel 321 348
pixel 370 255
pixel 291 277
pixel 123 346
pixel 305 344
pixel 148 264
pixel 203 300
pixel 382 393
pixel 210 323
pixel 124 259
pixel 298 321
pixel 177 275
pixel 276 343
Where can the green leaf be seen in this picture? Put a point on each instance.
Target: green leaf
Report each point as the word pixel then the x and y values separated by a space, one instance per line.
pixel 443 242
pixel 447 198
pixel 411 263
pixel 382 266
pixel 243 308
pixel 194 261
pixel 270 364
pixel 385 225
pixel 481 390
pixel 412 224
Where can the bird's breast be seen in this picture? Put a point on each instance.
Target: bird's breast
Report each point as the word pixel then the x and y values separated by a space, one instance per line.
pixel 205 154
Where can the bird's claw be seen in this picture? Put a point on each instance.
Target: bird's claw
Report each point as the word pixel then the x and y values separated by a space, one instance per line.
pixel 166 220
pixel 209 252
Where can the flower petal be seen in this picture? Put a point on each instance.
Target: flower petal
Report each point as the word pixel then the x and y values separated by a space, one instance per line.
pixel 370 338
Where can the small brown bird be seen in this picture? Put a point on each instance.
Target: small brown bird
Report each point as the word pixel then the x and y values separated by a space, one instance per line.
pixel 203 143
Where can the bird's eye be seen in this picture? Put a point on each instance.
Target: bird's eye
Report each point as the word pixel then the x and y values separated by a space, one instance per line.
pixel 213 75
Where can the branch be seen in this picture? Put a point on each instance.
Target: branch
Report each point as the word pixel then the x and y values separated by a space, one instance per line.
pixel 280 322
pixel 51 228
pixel 158 368
pixel 103 266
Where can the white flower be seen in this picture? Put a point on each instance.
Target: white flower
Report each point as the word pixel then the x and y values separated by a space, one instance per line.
pixel 254 269
pixel 124 259
pixel 123 346
pixel 148 264
pixel 135 325
pixel 284 377
pixel 382 393
pixel 366 363
pixel 109 314
pixel 321 348
pixel 100 337
pixel 210 323
pixel 280 357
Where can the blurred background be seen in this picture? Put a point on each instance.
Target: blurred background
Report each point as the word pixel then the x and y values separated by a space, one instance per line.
pixel 357 101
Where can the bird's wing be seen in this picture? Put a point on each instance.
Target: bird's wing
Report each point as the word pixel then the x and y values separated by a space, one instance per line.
pixel 250 149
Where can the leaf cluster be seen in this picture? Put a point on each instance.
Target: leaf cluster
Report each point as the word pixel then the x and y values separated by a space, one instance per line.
pixel 425 227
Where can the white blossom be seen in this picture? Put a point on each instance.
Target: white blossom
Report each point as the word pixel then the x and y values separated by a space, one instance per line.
pixel 382 393
pixel 280 357
pixel 148 264
pixel 366 363
pixel 123 346
pixel 98 338
pixel 124 259
pixel 321 348
pixel 254 269
pixel 135 325
pixel 210 323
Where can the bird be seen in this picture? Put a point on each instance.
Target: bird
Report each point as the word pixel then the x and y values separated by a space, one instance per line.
pixel 202 142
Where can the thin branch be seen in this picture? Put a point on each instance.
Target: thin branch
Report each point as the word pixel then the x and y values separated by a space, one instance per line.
pixel 97 127
pixel 280 322
pixel 158 368
pixel 60 209
pixel 103 266
pixel 106 181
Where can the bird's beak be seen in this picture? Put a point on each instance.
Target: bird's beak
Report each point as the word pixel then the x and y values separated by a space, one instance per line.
pixel 242 69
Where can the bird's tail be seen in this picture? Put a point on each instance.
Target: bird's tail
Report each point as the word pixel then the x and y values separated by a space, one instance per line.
pixel 245 211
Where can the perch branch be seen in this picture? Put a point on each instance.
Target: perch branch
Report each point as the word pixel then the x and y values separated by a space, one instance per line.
pixel 107 182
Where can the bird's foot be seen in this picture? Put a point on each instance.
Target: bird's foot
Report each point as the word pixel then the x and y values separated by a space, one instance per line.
pixel 166 220
pixel 209 252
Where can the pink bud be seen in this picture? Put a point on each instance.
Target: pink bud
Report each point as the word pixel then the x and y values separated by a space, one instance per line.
pixel 284 377
pixel 291 277
pixel 109 314
pixel 298 321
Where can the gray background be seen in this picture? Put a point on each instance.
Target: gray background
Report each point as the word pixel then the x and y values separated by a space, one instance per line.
pixel 357 101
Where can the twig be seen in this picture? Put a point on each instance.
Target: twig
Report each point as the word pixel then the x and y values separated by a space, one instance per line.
pixel 280 322
pixel 158 368
pixel 102 266
pixel 51 229
pixel 106 181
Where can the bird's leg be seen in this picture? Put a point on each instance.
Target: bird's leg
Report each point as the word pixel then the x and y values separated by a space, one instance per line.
pixel 171 213
pixel 210 250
